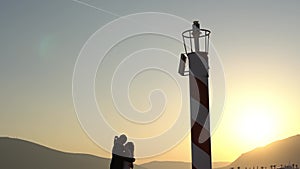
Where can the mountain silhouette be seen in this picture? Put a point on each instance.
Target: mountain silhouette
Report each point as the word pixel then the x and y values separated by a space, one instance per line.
pixel 21 154
pixel 277 153
pixel 220 164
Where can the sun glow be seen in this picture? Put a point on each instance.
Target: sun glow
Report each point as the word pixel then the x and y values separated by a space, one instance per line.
pixel 256 125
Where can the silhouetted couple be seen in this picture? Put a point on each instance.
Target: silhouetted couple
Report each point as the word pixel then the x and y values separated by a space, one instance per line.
pixel 122 154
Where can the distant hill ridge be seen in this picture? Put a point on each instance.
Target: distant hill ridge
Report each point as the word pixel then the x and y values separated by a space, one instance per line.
pixel 21 154
pixel 277 153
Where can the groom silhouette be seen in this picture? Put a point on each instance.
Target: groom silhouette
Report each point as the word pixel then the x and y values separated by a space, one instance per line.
pixel 119 155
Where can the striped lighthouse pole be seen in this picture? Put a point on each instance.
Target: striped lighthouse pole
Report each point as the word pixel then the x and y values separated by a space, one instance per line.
pixel 199 94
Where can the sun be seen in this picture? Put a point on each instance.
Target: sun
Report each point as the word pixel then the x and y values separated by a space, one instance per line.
pixel 255 125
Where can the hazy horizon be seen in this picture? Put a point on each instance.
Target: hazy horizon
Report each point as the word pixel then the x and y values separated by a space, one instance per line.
pixel 279 147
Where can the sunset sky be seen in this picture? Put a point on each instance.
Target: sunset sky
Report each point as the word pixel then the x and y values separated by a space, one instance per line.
pixel 256 41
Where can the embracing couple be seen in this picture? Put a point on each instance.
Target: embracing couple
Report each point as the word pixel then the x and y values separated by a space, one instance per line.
pixel 122 153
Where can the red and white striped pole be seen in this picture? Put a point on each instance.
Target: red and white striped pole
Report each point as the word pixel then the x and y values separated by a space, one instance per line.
pixel 199 95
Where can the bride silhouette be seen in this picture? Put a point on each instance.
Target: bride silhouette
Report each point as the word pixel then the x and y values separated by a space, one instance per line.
pixel 122 154
pixel 129 152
